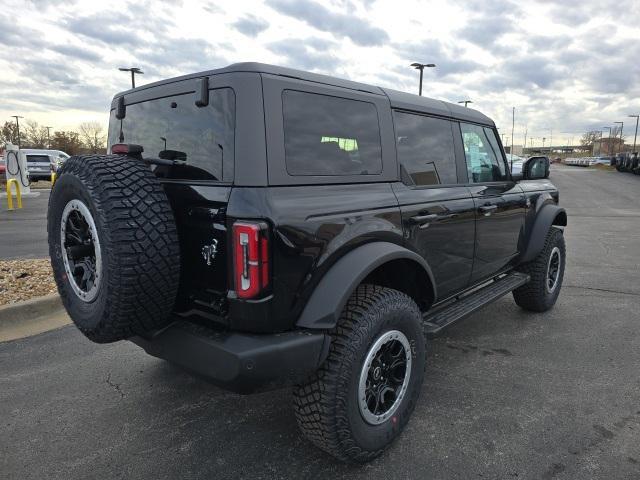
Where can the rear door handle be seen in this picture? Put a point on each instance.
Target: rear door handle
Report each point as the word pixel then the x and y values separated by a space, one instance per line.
pixel 488 209
pixel 420 219
pixel 425 220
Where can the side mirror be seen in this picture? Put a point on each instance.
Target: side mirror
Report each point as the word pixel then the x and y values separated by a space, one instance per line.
pixel 535 168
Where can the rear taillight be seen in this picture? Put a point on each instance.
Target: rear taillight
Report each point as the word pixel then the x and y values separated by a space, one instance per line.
pixel 250 258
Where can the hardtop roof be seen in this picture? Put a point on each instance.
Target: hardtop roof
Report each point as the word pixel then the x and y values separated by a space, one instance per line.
pixel 398 99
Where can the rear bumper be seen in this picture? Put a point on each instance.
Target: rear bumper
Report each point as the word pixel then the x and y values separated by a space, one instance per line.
pixel 240 362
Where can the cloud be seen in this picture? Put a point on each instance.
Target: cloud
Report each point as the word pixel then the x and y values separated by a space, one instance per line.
pixel 567 64
pixel 109 28
pixel 488 21
pixel 485 30
pixel 185 54
pixel 316 15
pixel 448 59
pixel 76 52
pixel 250 25
pixel 309 54
pixel 524 73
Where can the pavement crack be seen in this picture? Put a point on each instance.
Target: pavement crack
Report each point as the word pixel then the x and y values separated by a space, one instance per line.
pixel 602 290
pixel 115 386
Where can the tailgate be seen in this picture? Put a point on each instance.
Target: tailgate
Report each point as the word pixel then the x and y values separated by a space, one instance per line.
pixel 200 214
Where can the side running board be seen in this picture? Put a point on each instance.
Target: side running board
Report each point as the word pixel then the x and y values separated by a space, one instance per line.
pixel 437 319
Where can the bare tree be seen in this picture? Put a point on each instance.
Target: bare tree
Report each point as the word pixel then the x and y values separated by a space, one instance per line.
pixel 8 133
pixel 35 136
pixel 92 136
pixel 68 142
pixel 589 138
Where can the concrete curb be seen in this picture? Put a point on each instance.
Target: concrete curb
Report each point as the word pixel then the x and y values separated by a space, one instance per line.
pixel 36 307
pixel 31 317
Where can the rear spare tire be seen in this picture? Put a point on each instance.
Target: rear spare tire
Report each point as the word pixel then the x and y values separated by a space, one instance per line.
pixel 114 246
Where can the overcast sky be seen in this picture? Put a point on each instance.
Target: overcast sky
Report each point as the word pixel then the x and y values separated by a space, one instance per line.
pixel 568 66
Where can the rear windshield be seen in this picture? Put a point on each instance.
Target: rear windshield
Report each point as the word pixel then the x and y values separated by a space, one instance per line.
pixel 326 135
pixel 38 159
pixel 174 128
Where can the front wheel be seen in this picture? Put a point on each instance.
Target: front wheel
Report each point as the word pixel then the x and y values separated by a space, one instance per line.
pixel 363 395
pixel 546 272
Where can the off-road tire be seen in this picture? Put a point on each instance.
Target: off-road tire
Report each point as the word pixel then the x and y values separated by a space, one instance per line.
pixel 534 296
pixel 138 239
pixel 326 406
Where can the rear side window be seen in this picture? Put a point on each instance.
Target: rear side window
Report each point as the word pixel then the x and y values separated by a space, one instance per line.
pixel 483 155
pixel 425 148
pixel 38 159
pixel 326 135
pixel 174 128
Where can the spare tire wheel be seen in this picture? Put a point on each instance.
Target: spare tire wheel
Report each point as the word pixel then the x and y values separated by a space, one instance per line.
pixel 114 246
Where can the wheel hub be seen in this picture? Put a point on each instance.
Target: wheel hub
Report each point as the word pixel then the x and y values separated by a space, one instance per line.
pixel 553 270
pixel 384 377
pixel 81 253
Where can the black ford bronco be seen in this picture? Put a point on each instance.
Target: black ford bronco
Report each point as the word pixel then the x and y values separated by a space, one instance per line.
pixel 263 226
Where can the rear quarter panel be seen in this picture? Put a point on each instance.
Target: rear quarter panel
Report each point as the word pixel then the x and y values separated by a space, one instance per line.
pixel 312 227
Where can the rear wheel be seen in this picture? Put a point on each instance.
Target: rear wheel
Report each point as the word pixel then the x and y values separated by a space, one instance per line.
pixel 113 245
pixel 546 272
pixel 363 395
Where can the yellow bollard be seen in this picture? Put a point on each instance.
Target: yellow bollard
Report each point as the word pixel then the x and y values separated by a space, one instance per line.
pixel 53 178
pixel 10 182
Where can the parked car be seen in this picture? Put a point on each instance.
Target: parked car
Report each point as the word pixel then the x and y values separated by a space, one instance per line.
pixel 3 167
pixel 622 163
pixel 264 226
pixel 634 164
pixel 515 162
pixel 628 162
pixel 59 157
pixel 602 161
pixel 40 162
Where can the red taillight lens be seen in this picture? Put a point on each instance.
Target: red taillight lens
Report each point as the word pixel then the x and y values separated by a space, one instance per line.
pixel 251 258
pixel 119 148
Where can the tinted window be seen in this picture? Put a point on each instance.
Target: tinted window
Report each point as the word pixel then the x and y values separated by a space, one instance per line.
pixel 425 148
pixel 38 159
pixel 483 155
pixel 174 128
pixel 330 136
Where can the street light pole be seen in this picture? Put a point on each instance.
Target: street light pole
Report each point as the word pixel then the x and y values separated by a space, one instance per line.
pixel 513 126
pixel 600 144
pixel 421 67
pixel 133 71
pixel 637 117
pixel 466 102
pixel 48 137
pixel 17 117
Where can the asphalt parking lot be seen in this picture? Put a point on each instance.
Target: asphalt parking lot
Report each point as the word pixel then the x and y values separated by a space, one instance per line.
pixel 507 394
pixel 23 232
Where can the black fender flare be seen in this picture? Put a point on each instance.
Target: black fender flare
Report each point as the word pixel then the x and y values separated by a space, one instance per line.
pixel 549 215
pixel 326 303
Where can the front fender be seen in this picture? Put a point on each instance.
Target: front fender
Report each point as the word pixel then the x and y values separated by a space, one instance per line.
pixel 330 296
pixel 548 215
